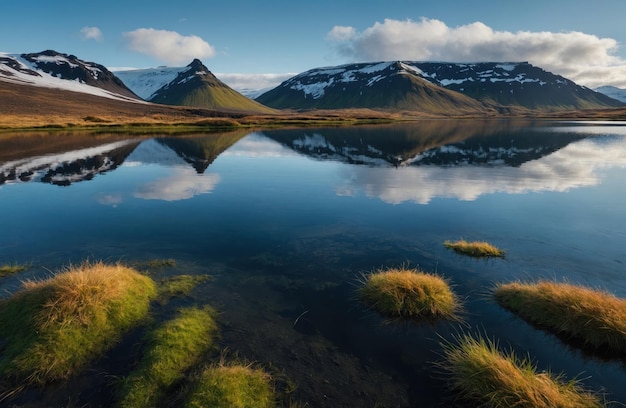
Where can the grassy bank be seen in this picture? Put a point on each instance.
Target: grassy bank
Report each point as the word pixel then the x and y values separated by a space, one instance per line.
pixel 409 293
pixel 481 373
pixel 172 349
pixel 52 328
pixel 595 317
pixel 476 249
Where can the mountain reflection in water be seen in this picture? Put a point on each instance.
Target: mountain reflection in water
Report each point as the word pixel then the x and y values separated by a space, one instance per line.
pixel 287 220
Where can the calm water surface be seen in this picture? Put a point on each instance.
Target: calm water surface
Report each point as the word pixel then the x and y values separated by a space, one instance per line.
pixel 286 221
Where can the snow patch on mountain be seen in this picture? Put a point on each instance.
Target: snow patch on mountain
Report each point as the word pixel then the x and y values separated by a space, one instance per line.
pixel 145 82
pixel 613 92
pixel 17 70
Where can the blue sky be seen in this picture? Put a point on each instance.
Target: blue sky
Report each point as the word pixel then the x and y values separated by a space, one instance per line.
pixel 582 40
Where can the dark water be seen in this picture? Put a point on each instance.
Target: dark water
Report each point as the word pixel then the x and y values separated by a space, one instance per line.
pixel 286 221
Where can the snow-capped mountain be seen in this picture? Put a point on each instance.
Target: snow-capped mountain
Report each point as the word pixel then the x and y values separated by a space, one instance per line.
pixel 613 92
pixel 196 86
pixel 51 69
pixel 386 85
pixel 145 82
pixel 383 85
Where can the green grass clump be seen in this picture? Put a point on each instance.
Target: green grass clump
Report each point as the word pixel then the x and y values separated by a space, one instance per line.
pixel 476 249
pixel 172 349
pixel 11 269
pixel 409 293
pixel 156 263
pixel 232 386
pixel 595 317
pixel 481 373
pixel 52 328
pixel 180 285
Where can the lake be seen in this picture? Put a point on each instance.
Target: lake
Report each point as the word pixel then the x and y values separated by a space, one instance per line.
pixel 287 222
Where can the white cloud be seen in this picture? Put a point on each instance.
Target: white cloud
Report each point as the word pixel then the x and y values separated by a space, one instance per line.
pixel 91 33
pixel 575 55
pixel 168 46
pixel 342 33
pixel 577 165
pixel 253 81
pixel 182 184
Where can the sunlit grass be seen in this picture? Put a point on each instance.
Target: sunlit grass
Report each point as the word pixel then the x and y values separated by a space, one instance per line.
pixel 409 293
pixel 52 328
pixel 477 249
pixel 481 373
pixel 232 386
pixel 11 269
pixel 172 349
pixel 592 316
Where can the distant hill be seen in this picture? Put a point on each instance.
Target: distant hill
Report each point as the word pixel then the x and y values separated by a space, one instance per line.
pixel 196 86
pixel 433 87
pixel 145 82
pixel 613 92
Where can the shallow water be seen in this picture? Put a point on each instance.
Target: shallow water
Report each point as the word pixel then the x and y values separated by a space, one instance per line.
pixel 287 221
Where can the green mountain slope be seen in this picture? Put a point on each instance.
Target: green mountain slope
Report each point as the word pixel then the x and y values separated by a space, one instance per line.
pixel 198 87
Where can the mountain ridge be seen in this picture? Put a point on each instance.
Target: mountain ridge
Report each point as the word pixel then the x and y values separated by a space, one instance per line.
pixel 496 85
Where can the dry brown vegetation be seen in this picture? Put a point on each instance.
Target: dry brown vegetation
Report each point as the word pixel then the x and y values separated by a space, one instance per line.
pixel 24 106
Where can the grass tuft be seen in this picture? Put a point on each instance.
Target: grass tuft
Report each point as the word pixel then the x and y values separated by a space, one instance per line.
pixel 180 285
pixel 172 349
pixel 52 328
pixel 476 249
pixel 409 293
pixel 11 269
pixel 595 317
pixel 232 386
pixel 480 372
pixel 156 263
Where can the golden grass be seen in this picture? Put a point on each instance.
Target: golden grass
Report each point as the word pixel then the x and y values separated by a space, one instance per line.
pixel 595 317
pixel 173 348
pixel 232 386
pixel 476 249
pixel 481 373
pixel 11 269
pixel 409 293
pixel 52 328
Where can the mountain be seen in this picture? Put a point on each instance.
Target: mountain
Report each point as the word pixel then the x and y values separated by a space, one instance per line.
pixel 145 82
pixel 51 69
pixel 384 85
pixel 613 92
pixel 196 86
pixel 516 83
pixel 433 87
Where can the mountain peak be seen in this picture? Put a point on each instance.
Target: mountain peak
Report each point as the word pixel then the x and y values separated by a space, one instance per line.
pixel 196 63
pixel 196 86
